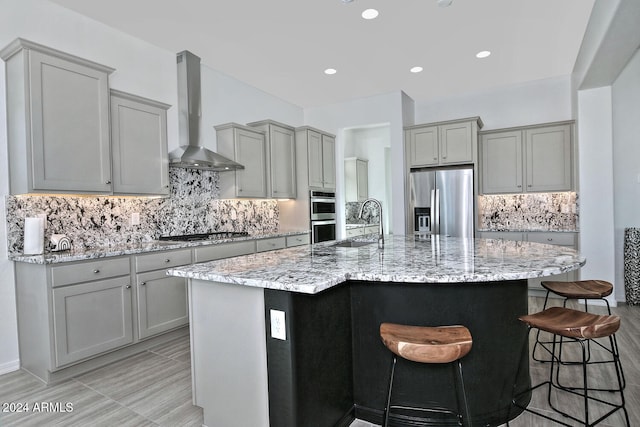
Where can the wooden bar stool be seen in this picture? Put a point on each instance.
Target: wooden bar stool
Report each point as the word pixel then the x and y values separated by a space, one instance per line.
pixel 580 327
pixel 424 344
pixel 581 289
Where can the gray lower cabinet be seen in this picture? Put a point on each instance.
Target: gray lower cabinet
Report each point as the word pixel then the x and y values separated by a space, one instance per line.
pixel 139 145
pixel 91 318
pixel 161 299
pixel 162 302
pixel 57 121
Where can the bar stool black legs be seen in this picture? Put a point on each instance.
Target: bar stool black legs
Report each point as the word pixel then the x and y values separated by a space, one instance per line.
pixel 581 328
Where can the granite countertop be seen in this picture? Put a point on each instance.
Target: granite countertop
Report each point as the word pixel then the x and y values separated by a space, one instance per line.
pixel 314 268
pixel 134 248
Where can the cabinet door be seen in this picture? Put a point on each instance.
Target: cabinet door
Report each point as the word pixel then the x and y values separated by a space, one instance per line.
pixel 250 151
pixel 162 302
pixel 362 179
pixel 423 146
pixel 70 126
pixel 328 162
pixel 139 144
pixel 549 158
pixel 502 162
pixel 282 147
pixel 314 159
pixel 91 318
pixel 456 144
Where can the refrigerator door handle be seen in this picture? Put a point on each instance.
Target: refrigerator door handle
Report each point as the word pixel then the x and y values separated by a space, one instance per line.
pixel 435 217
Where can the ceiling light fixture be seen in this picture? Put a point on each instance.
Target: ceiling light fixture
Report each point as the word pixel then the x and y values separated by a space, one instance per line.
pixel 347 1
pixel 444 3
pixel 330 71
pixel 483 54
pixel 370 14
pixel 416 69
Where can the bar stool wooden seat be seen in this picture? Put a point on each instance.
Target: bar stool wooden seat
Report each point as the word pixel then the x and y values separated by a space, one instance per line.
pixel 581 327
pixel 425 344
pixel 581 289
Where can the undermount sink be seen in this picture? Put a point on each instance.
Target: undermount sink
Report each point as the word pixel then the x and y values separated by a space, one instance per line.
pixel 351 244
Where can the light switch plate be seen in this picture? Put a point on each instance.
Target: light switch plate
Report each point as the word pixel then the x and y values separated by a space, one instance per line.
pixel 278 325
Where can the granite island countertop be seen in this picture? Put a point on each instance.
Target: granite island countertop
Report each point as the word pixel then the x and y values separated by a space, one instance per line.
pixel 314 268
pixel 135 248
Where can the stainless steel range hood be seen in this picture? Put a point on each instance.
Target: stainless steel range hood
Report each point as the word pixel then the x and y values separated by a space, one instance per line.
pixel 191 154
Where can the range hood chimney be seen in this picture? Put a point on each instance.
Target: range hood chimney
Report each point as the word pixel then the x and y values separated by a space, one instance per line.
pixel 190 154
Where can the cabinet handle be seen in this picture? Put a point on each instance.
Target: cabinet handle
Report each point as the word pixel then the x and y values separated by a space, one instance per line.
pixel 519 186
pixel 128 287
pixel 143 283
pixel 435 158
pixel 550 239
pixel 96 271
pixel 108 182
pixel 444 157
pixel 529 185
pixel 167 260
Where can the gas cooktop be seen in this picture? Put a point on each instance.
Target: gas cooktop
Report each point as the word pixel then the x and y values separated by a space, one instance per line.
pixel 216 235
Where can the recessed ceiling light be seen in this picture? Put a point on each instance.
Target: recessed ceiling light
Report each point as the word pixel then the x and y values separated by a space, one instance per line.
pixel 347 1
pixel 370 14
pixel 444 3
pixel 416 69
pixel 330 71
pixel 483 54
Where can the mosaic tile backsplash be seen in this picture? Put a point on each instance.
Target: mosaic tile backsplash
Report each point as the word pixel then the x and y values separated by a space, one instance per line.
pixel 93 222
pixel 533 211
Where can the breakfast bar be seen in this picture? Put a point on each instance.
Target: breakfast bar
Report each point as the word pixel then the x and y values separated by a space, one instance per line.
pixel 290 337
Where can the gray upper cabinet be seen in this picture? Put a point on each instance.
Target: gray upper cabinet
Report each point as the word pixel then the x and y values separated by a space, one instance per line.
pixel 531 159
pixel 139 145
pixel 441 144
pixel 57 120
pixel 281 148
pixel 248 147
pixel 320 148
pixel 356 179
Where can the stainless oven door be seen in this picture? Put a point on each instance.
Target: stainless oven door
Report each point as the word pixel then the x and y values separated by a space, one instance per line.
pixel 322 231
pixel 323 206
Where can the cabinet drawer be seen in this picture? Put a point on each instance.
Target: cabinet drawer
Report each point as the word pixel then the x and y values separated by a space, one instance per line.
pixel 503 235
pixel 161 260
pixel 303 239
pixel 564 239
pixel 271 244
pixel 89 270
pixel 223 250
pixel 354 231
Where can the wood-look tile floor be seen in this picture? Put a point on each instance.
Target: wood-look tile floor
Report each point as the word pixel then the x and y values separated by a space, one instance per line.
pixel 153 388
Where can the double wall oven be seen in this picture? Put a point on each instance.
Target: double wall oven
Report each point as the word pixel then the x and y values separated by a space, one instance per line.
pixel 323 216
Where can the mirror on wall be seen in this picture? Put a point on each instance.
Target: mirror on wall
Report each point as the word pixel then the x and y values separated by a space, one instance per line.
pixel 367 173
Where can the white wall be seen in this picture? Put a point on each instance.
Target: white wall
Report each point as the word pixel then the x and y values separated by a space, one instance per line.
pixel 142 69
pixel 363 112
pixel 595 157
pixel 370 144
pixel 626 160
pixel 225 99
pixel 539 101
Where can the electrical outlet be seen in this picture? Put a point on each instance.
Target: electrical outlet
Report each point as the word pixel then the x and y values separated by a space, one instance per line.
pixel 135 218
pixel 278 325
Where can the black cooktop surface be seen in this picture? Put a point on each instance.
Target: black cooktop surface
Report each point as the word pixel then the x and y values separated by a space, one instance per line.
pixel 197 237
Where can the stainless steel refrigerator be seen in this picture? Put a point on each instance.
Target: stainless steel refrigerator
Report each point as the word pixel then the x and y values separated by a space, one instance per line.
pixel 441 201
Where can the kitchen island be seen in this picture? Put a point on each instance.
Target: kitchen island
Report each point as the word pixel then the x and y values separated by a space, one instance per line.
pixel 290 337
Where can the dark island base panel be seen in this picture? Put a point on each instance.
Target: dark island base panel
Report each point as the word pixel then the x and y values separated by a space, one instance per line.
pixel 333 367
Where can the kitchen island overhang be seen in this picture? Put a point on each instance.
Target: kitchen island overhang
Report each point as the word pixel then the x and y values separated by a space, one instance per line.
pixel 332 367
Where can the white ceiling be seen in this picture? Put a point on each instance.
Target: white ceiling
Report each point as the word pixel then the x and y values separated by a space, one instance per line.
pixel 283 46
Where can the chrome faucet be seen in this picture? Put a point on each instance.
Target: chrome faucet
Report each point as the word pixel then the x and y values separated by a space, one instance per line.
pixel 380 230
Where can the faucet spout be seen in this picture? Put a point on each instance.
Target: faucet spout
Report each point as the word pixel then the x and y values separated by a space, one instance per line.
pixel 380 228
